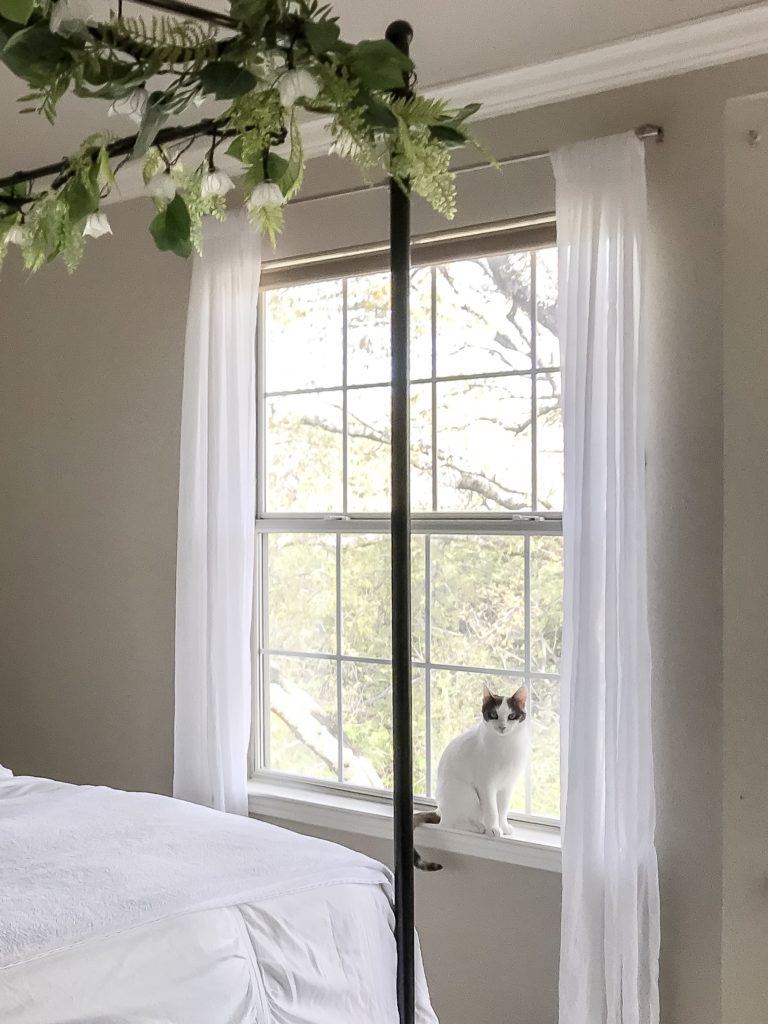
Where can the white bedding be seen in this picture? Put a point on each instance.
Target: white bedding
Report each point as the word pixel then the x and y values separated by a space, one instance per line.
pixel 302 934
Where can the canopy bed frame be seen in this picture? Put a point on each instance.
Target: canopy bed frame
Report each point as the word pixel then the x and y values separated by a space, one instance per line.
pixel 400 34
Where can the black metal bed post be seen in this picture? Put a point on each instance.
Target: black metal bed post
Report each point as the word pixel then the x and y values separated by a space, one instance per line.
pixel 400 33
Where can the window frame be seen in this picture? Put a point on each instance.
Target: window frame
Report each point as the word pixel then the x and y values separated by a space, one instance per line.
pixel 522 236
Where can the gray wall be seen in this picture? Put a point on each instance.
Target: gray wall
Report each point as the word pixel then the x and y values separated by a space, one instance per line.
pixel 90 372
pixel 745 567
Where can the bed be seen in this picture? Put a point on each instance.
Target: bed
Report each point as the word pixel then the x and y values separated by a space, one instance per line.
pixel 131 908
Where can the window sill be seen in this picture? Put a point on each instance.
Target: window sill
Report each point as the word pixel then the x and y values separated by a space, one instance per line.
pixel 531 845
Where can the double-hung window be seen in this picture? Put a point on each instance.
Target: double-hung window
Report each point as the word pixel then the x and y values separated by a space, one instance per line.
pixel 486 487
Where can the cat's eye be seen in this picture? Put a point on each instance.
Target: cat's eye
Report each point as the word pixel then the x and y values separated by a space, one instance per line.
pixel 493 714
pixel 511 717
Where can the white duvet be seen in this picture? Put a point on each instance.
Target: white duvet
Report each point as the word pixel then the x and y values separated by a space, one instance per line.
pixel 120 908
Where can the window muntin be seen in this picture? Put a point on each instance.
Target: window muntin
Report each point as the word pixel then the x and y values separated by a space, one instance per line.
pixel 486 480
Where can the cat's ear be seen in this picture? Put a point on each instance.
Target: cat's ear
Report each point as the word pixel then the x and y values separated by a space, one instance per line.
pixel 520 699
pixel 487 695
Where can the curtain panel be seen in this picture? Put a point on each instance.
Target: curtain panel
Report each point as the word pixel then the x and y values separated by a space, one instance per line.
pixel 610 917
pixel 217 511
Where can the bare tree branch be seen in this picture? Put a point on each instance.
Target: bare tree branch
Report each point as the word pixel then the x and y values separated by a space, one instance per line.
pixel 485 487
pixel 309 724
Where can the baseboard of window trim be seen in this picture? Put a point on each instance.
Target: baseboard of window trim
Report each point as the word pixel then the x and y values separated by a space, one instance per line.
pixel 531 845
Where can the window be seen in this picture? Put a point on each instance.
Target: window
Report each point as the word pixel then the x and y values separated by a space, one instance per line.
pixel 486 480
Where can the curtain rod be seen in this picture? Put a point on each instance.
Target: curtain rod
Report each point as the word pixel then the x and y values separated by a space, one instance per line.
pixel 644 132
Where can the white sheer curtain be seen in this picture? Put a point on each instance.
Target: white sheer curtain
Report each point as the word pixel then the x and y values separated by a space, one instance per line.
pixel 217 508
pixel 610 919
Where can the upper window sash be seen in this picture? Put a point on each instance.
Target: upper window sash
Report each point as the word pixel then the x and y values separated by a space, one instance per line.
pixel 519 235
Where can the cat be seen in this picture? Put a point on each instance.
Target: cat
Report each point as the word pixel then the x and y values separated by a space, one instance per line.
pixel 478 771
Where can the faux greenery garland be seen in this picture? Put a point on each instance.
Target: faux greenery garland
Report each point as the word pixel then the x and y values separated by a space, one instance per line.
pixel 283 56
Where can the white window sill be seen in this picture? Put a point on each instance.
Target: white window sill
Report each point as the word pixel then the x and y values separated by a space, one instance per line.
pixel 531 845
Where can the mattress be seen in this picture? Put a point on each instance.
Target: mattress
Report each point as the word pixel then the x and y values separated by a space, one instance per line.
pixel 134 909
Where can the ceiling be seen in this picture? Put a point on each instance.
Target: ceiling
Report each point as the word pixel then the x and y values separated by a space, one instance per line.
pixel 452 41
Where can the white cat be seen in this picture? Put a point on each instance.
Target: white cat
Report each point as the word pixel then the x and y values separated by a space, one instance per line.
pixel 479 770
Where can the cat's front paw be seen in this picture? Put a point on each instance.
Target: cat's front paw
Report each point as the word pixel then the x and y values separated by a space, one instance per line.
pixel 507 829
pixel 493 831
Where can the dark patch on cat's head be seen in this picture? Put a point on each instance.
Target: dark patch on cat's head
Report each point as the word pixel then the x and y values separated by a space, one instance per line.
pixel 517 704
pixel 491 704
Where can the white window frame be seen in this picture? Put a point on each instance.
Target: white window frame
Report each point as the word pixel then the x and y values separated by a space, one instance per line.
pixel 341 806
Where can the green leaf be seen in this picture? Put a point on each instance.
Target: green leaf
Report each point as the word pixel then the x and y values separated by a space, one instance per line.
pixel 34 54
pixel 464 112
pixel 252 13
pixel 276 167
pixel 448 134
pixel 104 173
pixel 80 200
pixel 378 114
pixel 7 29
pixel 17 10
pixel 154 118
pixel 321 36
pixel 235 148
pixel 171 228
pixel 379 65
pixel 226 80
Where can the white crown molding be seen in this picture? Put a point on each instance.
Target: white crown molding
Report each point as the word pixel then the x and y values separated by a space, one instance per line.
pixel 690 46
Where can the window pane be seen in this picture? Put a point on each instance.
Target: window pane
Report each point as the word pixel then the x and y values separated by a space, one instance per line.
pixel 365 595
pixel 545 762
pixel 418 597
pixel 547 342
pixel 421 447
pixel 303 736
pixel 484 445
pixel 484 315
pixel 303 331
pixel 546 603
pixel 304 453
pixel 301 581
pixel 367 702
pixel 419 733
pixel 421 323
pixel 549 443
pixel 369 449
pixel 456 700
pixel 368 330
pixel 478 601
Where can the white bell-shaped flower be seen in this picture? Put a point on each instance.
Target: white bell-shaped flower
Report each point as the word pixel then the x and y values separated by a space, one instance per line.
pixel 133 105
pixel 267 193
pixel 70 16
pixel 217 183
pixel 162 187
pixel 295 85
pixel 97 225
pixel 16 235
